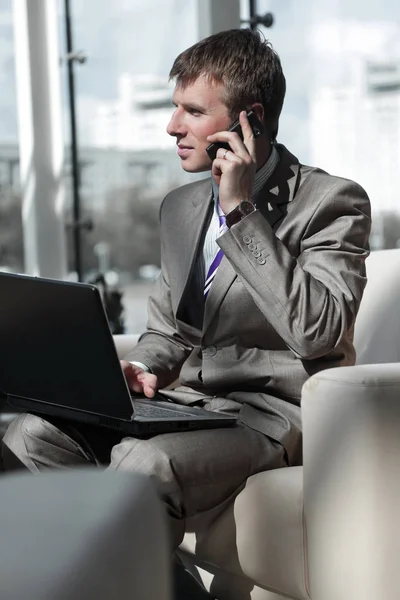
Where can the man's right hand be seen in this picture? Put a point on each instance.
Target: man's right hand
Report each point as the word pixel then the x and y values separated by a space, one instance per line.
pixel 139 381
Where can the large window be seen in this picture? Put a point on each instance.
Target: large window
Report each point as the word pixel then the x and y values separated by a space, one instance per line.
pixel 128 162
pixel 342 113
pixel 11 248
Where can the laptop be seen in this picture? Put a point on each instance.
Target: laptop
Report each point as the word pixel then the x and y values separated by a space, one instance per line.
pixel 57 357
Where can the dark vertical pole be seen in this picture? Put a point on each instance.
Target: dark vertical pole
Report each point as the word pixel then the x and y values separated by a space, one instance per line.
pixel 253 12
pixel 11 164
pixel 76 220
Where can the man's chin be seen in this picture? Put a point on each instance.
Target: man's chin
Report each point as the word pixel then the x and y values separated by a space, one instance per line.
pixel 193 168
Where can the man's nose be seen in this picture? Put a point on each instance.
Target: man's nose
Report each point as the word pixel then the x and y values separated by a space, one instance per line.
pixel 175 126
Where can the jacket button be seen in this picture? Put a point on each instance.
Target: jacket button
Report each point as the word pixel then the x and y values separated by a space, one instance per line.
pixel 247 239
pixel 256 253
pixel 252 247
pixel 261 260
pixel 210 351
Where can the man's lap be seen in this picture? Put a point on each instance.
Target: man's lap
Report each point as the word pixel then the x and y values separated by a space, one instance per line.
pixel 208 465
pixel 194 471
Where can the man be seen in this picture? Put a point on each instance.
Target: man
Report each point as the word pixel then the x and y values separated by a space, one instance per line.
pixel 279 307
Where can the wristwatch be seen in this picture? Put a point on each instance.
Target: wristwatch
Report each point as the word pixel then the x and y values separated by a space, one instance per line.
pixel 239 212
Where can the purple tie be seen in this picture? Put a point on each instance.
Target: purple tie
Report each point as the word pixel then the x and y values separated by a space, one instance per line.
pixel 218 257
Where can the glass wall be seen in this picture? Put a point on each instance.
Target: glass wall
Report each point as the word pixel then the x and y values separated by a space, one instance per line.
pixel 128 163
pixel 11 247
pixel 342 113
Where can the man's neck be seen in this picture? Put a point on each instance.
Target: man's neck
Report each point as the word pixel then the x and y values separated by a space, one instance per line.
pixel 263 154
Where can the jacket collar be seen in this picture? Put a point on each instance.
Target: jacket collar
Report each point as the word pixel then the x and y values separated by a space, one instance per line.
pixel 280 189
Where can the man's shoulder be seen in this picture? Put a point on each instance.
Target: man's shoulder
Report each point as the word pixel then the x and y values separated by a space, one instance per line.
pixel 195 190
pixel 315 175
pixel 320 180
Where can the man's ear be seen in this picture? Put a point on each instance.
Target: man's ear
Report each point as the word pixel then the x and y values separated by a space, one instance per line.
pixel 258 108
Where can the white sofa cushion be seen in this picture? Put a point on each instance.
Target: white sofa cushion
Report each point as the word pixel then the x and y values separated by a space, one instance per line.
pixel 377 331
pixel 261 536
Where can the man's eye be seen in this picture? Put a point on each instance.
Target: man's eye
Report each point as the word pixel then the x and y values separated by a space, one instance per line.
pixel 194 112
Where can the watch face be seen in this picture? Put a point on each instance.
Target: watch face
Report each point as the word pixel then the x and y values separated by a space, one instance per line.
pixel 246 207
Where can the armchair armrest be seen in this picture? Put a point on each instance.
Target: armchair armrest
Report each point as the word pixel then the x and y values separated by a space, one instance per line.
pixel 82 534
pixel 351 424
pixel 124 343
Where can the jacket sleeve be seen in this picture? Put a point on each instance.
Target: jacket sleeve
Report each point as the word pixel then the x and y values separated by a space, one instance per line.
pixel 161 347
pixel 313 298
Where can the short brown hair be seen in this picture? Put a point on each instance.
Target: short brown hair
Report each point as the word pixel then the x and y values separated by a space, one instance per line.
pixel 245 63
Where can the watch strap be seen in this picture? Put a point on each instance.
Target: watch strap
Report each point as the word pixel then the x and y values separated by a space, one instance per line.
pixel 239 212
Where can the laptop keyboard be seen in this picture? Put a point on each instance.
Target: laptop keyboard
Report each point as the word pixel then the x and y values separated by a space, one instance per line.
pixel 144 410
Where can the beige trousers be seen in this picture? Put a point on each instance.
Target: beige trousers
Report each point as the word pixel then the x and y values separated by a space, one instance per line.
pixel 195 471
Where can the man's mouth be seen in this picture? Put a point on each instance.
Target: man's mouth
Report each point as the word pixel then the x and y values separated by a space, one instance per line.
pixel 184 151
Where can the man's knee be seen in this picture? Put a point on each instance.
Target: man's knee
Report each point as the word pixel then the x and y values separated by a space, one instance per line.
pixel 41 444
pixel 20 435
pixel 23 426
pixel 143 456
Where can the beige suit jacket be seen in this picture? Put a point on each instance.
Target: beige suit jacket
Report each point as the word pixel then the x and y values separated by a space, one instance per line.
pixel 282 305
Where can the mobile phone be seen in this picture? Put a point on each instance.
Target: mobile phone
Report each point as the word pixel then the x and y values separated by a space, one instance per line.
pixel 255 125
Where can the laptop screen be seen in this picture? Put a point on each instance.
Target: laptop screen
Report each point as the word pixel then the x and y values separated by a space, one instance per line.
pixel 56 346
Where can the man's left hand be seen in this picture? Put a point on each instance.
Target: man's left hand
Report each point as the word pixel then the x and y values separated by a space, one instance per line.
pixel 234 170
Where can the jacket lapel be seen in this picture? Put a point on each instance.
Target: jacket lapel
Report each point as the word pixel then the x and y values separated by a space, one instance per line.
pixel 192 223
pixel 272 201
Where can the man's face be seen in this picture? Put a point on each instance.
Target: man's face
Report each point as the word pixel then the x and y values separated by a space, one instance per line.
pixel 199 112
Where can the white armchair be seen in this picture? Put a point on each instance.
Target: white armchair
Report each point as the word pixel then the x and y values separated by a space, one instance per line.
pixel 328 531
